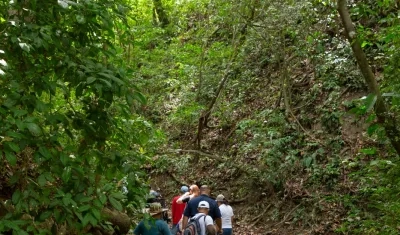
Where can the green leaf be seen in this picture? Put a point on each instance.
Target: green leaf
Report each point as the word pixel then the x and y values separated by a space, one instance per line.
pixel 115 79
pixel 368 151
pixel 22 232
pixel 84 199
pixel 96 213
pixel 307 161
pixel 97 203
pixel 42 180
pixel 93 221
pixel 102 198
pixel 106 82
pixel 14 134
pixel 370 101
pixel 107 187
pixel 13 146
pixel 118 195
pixel 10 156
pixel 34 128
pixel 90 80
pixel 84 208
pixel 45 215
pixel 372 129
pixel 139 97
pixel 87 218
pixel 116 204
pixel 66 175
pixel 45 153
pixel 16 197
pixel 19 112
pixel 67 201
pixel 64 159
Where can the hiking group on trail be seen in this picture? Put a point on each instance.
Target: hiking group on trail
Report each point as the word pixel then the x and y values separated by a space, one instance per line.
pixel 194 212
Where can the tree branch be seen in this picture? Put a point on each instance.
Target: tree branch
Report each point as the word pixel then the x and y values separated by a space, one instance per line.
pixel 388 121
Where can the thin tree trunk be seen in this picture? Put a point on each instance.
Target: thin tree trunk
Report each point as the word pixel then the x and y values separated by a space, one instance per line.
pixel 384 117
pixel 160 14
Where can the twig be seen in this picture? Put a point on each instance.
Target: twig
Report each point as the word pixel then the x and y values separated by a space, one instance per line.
pixel 286 216
pixel 193 151
pixel 258 218
pixel 239 200
pixel 344 92
pixel 304 130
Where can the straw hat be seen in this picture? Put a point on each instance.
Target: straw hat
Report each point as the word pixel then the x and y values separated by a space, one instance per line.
pixel 156 208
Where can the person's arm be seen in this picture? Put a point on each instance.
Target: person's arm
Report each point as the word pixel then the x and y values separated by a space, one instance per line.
pixel 218 221
pixel 184 222
pixel 210 229
pixel 182 198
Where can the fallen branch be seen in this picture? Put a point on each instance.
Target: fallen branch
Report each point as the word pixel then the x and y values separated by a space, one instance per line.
pixel 239 200
pixel 258 217
pixel 286 216
pixel 194 151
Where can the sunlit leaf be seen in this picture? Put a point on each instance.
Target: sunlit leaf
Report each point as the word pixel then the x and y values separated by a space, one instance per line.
pixel 34 129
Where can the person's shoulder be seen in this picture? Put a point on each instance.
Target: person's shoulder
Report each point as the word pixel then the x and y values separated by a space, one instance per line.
pixel 194 201
pixel 160 221
pixel 209 220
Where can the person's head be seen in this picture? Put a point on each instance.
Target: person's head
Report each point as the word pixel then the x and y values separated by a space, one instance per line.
pixel 156 210
pixel 203 207
pixel 204 189
pixel 221 200
pixel 184 189
pixel 194 190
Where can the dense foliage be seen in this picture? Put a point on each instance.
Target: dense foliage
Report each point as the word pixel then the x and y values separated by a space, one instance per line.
pixel 286 107
pixel 69 127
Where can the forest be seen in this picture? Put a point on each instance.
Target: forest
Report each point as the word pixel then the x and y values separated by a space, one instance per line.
pixel 289 108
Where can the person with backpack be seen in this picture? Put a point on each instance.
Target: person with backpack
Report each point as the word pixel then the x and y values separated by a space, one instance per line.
pixel 177 210
pixel 201 223
pixel 226 215
pixel 191 208
pixel 155 226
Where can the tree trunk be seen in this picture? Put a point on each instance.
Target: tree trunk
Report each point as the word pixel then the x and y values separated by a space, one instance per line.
pixel 384 117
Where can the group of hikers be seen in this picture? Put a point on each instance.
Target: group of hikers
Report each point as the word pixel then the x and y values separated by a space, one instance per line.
pixel 194 212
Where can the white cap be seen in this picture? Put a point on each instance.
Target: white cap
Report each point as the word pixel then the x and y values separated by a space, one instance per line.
pixel 204 204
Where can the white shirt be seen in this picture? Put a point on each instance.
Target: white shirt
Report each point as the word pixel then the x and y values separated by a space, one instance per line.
pixel 207 222
pixel 226 215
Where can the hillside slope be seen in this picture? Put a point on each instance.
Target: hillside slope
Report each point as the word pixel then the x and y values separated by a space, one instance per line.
pixel 266 104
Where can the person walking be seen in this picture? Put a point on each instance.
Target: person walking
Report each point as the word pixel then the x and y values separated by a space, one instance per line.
pixel 226 214
pixel 155 226
pixel 191 208
pixel 206 223
pixel 177 209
